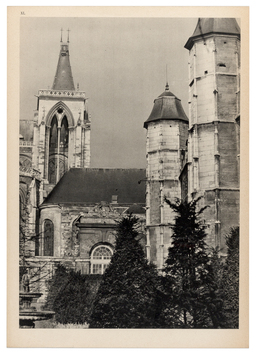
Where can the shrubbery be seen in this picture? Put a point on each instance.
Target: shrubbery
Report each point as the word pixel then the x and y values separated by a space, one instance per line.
pixel 71 295
pixel 230 280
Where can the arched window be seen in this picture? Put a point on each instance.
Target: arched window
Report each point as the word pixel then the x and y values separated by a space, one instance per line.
pixel 100 258
pixel 53 134
pixel 58 147
pixel 64 134
pixel 48 245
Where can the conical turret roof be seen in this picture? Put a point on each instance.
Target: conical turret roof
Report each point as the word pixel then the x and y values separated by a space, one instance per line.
pixel 206 26
pixel 63 78
pixel 166 107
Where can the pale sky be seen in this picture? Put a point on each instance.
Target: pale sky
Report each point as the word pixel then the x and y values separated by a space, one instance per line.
pixel 121 65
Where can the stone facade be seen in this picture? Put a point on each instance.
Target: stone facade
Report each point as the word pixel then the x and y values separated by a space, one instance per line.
pixel 79 229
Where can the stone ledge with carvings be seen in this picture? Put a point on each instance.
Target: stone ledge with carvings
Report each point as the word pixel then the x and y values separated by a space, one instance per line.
pixel 62 93
pixel 28 171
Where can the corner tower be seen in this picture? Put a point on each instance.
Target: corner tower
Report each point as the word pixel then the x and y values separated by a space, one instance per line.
pixel 61 125
pixel 167 129
pixel 214 118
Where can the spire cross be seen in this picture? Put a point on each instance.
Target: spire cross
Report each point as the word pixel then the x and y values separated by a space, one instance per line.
pixel 68 35
pixel 61 35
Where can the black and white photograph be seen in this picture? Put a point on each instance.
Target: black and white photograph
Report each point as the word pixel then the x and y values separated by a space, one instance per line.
pixel 129 213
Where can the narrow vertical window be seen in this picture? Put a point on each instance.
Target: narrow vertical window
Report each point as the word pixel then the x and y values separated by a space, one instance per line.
pixel 48 244
pixel 58 148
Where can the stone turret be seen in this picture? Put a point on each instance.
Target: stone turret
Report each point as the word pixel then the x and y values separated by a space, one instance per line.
pixel 214 117
pixel 167 128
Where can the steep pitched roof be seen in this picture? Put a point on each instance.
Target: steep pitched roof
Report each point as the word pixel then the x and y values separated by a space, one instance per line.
pixel 207 26
pixel 63 78
pixel 85 185
pixel 166 107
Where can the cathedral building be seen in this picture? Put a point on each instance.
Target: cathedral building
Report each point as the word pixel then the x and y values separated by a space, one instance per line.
pixel 187 157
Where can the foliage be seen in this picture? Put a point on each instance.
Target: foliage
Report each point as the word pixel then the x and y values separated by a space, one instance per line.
pixel 190 274
pixel 51 324
pixel 57 283
pixel 128 295
pixel 230 282
pixel 71 295
pixel 27 239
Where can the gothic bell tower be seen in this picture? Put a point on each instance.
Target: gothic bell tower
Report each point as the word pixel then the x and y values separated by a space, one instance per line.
pixel 61 125
pixel 214 123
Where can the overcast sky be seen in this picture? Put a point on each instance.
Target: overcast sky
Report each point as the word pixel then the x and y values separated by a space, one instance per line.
pixel 121 65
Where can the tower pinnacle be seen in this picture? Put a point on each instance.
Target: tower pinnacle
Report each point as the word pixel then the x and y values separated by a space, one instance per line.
pixel 167 86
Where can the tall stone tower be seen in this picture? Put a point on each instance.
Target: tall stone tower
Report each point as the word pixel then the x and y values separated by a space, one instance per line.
pixel 167 130
pixel 61 126
pixel 214 119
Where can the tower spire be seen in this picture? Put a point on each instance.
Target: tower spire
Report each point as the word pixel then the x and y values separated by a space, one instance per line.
pixel 63 78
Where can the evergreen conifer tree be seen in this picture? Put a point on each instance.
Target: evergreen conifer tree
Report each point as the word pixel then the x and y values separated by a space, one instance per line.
pixel 127 296
pixel 189 276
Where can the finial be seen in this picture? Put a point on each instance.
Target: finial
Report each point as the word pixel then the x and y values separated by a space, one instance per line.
pixel 167 86
pixel 68 35
pixel 61 35
pixel 78 87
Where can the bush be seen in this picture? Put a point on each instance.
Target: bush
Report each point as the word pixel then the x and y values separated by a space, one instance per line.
pixel 71 296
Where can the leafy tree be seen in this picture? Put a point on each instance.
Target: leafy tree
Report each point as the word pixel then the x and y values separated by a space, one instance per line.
pixel 190 274
pixel 28 237
pixel 230 283
pixel 128 295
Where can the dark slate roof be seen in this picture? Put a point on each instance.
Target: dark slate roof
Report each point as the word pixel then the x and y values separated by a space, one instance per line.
pixel 207 26
pixel 63 78
pixel 86 185
pixel 136 209
pixel 166 107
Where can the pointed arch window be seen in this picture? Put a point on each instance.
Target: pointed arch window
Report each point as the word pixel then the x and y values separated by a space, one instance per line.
pixel 53 133
pixel 58 146
pixel 48 245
